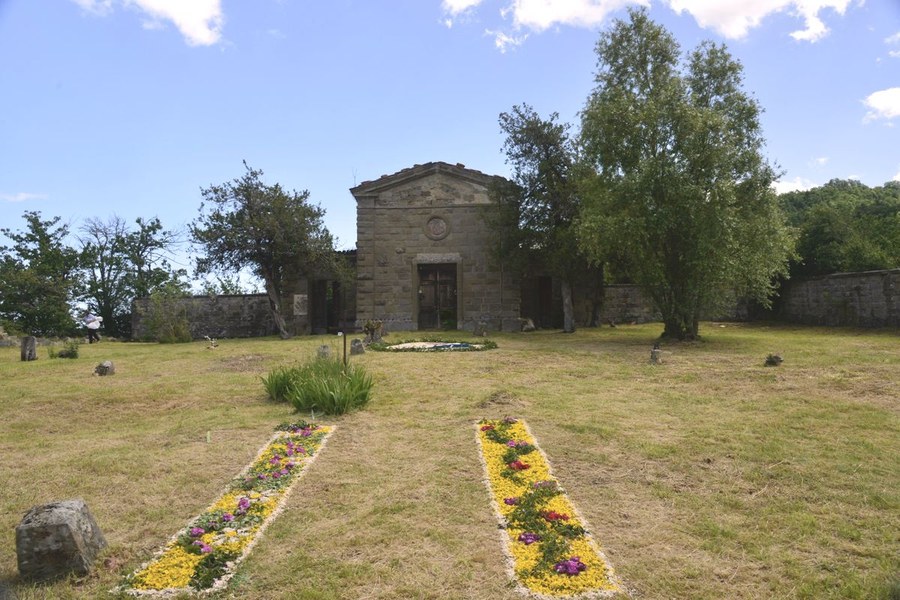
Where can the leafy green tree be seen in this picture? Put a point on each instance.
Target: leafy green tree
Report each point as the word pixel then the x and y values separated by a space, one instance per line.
pixel 681 190
pixel 122 264
pixel 845 225
pixel 535 224
pixel 275 233
pixel 39 278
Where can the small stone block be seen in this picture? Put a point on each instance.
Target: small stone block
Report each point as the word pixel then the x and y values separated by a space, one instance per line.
pixel 324 351
pixel 56 539
pixel 356 347
pixel 105 368
pixel 29 348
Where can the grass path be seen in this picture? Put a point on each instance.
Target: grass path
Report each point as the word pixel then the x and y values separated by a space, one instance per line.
pixel 709 476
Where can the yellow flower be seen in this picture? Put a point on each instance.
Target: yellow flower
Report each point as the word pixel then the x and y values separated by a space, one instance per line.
pixel 173 569
pixel 597 576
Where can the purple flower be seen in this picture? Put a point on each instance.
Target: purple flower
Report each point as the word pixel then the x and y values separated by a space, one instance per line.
pixel 290 465
pixel 544 484
pixel 197 531
pixel 511 443
pixel 573 566
pixel 529 538
pixel 512 501
pixel 509 420
pixel 261 476
pixel 228 517
pixel 289 451
pixel 275 460
pixel 205 549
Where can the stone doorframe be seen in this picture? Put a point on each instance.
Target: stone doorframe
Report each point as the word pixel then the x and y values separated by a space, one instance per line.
pixel 436 259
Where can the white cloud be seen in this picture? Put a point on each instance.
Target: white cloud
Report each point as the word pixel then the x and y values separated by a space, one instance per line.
pixel 883 104
pixel 897 176
pixel 797 184
pixel 456 9
pixel 539 15
pixel 820 161
pixel 894 39
pixel 734 19
pixel 98 7
pixel 22 197
pixel 504 42
pixel 199 21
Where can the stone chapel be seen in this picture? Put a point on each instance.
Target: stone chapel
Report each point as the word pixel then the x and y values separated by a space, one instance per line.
pixel 423 252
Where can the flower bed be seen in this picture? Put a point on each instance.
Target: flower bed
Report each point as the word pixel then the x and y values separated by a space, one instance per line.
pixel 203 556
pixel 434 346
pixel 550 552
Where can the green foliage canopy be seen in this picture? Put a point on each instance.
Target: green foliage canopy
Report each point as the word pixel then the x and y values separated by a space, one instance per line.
pixel 681 190
pixel 537 212
pixel 121 264
pixel 845 225
pixel 39 278
pixel 277 234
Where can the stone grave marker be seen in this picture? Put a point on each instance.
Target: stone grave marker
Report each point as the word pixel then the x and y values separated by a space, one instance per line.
pixel 29 348
pixel 56 539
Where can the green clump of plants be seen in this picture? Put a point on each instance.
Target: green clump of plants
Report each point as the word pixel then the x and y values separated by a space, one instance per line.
pixel 69 350
pixel 322 385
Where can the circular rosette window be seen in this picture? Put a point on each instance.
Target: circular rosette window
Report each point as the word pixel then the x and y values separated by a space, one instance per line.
pixel 436 228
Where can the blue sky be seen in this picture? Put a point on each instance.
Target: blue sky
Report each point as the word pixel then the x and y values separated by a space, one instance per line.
pixel 129 107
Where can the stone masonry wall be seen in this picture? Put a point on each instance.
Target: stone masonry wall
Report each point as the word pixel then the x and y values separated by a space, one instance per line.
pixel 868 299
pixel 430 214
pixel 216 316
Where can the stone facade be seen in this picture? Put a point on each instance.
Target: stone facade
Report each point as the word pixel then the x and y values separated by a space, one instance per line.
pixel 424 261
pixel 869 299
pixel 423 252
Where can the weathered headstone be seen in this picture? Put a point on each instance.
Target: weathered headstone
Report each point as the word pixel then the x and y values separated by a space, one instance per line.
pixel 29 348
pixel 105 368
pixel 356 347
pixel 374 330
pixel 480 329
pixel 656 354
pixel 56 539
pixel 324 351
pixel 528 325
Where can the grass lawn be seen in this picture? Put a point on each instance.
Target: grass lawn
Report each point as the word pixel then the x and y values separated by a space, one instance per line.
pixel 708 476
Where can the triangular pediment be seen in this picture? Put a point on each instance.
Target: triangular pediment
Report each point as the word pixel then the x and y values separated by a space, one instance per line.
pixel 369 189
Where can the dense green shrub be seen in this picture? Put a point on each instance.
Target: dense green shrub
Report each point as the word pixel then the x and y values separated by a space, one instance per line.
pixel 323 385
pixel 69 350
pixel 166 319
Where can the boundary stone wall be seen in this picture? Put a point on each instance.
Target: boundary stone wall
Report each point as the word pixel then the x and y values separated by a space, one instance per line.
pixel 866 299
pixel 237 316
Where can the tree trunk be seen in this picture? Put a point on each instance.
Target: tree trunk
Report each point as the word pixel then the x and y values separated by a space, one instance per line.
pixel 599 298
pixel 681 329
pixel 568 308
pixel 275 306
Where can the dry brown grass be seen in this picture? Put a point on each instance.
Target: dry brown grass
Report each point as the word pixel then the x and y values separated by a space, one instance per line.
pixel 709 476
